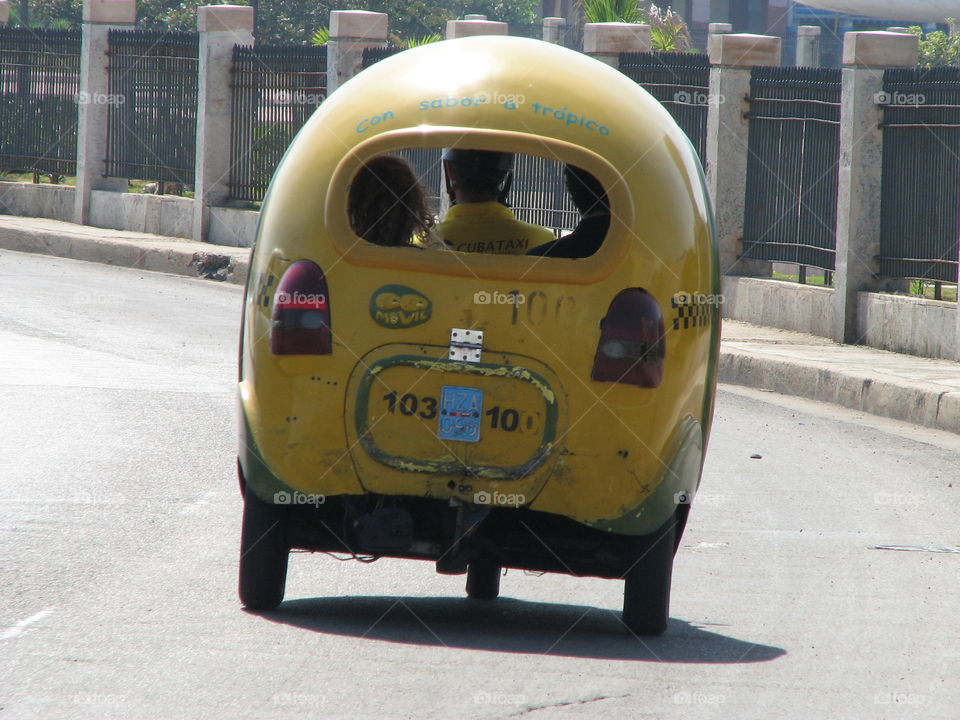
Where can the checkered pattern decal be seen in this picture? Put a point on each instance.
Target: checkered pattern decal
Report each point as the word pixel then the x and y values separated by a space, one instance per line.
pixel 690 311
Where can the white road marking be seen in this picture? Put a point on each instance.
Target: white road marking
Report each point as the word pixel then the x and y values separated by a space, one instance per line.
pixel 14 630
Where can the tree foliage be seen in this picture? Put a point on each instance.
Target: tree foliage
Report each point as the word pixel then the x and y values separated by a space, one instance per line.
pixel 48 13
pixel 937 49
pixel 668 31
pixel 286 21
pixel 596 11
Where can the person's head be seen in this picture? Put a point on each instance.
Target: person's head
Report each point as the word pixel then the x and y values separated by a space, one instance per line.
pixel 477 175
pixel 585 190
pixel 387 204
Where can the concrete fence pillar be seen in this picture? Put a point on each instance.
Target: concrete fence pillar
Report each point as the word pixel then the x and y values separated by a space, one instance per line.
pixel 221 27
pixel 553 29
pixel 865 56
pixel 351 31
pixel 956 335
pixel 472 28
pixel 808 46
pixel 474 16
pixel 605 41
pixel 732 57
pixel 4 13
pixel 718 28
pixel 93 103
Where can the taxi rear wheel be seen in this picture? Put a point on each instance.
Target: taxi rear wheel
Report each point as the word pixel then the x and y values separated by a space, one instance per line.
pixel 264 550
pixel 483 580
pixel 646 592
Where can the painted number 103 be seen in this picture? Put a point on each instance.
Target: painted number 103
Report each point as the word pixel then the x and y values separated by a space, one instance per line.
pixel 425 406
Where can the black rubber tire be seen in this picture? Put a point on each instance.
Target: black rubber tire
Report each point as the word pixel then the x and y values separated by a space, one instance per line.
pixel 646 590
pixel 264 551
pixel 483 580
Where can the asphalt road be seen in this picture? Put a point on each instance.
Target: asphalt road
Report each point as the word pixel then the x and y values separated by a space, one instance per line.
pixel 119 533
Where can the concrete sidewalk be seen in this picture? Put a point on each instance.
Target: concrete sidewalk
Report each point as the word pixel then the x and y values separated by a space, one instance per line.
pixel 918 390
pixel 904 387
pixel 126 249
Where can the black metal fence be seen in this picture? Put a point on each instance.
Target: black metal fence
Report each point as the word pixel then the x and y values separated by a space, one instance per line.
pixel 39 86
pixel 275 91
pixel 681 82
pixel 793 155
pixel 539 194
pixel 428 166
pixel 920 198
pixel 571 36
pixel 152 118
pixel 373 55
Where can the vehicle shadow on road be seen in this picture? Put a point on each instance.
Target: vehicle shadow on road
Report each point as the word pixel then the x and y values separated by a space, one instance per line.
pixel 515 626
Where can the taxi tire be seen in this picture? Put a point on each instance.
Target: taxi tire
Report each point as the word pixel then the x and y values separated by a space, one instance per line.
pixel 264 551
pixel 646 590
pixel 483 580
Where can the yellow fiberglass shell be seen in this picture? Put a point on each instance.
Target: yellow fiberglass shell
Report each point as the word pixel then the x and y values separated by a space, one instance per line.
pixel 605 454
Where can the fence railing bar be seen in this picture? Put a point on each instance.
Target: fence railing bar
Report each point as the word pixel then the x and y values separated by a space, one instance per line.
pixel 751 116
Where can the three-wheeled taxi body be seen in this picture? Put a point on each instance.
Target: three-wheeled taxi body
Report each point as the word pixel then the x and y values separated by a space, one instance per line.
pixel 482 411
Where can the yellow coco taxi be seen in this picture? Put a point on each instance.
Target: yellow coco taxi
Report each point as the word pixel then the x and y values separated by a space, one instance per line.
pixel 481 410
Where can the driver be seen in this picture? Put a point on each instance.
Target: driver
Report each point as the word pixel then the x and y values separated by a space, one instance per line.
pixel 479 220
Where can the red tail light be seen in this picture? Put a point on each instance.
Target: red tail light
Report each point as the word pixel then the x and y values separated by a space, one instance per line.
pixel 632 343
pixel 301 312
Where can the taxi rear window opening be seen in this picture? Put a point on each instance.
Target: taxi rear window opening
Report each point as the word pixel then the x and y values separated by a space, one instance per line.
pixel 479 201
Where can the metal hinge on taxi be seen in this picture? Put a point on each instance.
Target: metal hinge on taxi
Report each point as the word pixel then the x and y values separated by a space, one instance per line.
pixel 465 345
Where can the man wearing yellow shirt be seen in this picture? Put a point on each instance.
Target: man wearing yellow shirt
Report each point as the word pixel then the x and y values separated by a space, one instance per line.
pixel 479 221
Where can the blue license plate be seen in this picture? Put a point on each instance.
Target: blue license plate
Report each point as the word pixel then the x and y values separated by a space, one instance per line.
pixel 460 411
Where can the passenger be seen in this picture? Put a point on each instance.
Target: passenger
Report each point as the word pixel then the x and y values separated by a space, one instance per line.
pixel 588 195
pixel 479 220
pixel 387 204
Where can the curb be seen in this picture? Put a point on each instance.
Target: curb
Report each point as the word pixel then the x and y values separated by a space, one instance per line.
pixel 891 397
pixel 900 400
pixel 141 252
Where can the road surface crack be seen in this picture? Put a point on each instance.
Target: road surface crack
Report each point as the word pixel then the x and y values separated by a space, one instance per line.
pixel 585 701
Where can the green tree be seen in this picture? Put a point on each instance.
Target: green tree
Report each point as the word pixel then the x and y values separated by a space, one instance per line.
pixel 937 49
pixel 612 11
pixel 668 31
pixel 411 19
pixel 286 21
pixel 49 13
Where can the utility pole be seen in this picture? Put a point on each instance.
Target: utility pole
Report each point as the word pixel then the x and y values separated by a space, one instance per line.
pixel 25 13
